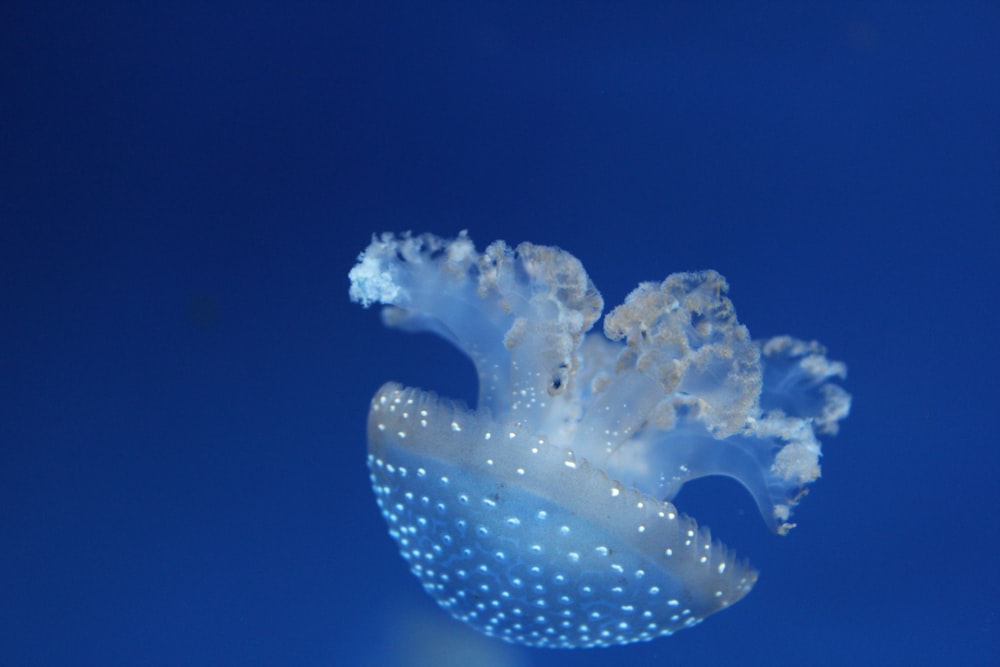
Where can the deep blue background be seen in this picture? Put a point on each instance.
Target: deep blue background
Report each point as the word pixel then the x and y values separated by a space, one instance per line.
pixel 184 382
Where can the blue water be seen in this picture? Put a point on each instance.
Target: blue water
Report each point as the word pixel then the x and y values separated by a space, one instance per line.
pixel 184 381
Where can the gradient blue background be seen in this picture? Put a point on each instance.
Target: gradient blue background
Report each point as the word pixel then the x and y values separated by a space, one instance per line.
pixel 183 189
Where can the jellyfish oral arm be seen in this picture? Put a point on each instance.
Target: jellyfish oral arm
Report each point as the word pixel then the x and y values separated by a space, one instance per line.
pixel 517 313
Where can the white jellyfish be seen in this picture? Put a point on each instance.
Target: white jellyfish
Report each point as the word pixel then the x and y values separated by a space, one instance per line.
pixel 544 516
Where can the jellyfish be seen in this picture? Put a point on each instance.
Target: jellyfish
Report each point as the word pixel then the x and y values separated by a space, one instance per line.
pixel 544 515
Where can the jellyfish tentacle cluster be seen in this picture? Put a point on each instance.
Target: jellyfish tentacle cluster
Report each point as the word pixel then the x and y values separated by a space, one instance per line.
pixel 544 515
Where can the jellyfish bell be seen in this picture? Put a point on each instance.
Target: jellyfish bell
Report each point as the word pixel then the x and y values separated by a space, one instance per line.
pixel 527 542
pixel 544 515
